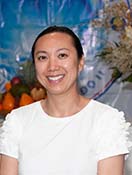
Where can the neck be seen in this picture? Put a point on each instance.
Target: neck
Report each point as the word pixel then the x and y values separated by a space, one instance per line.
pixel 64 105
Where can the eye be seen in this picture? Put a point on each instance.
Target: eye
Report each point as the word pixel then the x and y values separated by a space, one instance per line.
pixel 42 57
pixel 63 55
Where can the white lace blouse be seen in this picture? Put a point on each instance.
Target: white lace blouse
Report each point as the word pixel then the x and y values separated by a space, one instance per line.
pixel 70 145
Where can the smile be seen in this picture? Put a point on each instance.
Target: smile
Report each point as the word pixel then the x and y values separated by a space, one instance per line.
pixel 55 78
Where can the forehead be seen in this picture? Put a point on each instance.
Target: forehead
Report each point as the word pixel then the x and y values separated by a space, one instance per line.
pixel 55 37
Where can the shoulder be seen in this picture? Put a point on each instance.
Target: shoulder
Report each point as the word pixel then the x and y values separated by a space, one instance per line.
pixel 14 127
pixel 109 120
pixel 23 115
pixel 111 131
pixel 104 115
pixel 27 109
pixel 102 109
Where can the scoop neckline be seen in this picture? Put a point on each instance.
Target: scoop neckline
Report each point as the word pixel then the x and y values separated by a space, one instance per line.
pixel 76 115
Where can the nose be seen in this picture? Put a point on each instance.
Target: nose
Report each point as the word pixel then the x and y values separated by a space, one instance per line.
pixel 53 64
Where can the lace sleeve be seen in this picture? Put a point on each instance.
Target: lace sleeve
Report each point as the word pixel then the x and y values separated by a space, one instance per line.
pixel 113 136
pixel 9 136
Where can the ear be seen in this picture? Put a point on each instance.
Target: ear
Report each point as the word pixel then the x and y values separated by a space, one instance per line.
pixel 81 64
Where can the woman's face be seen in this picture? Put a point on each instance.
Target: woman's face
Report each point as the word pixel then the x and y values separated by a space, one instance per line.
pixel 56 62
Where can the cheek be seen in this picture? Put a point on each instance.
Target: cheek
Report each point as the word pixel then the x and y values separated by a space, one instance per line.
pixel 71 65
pixel 72 71
pixel 69 68
pixel 40 74
pixel 39 66
pixel 39 70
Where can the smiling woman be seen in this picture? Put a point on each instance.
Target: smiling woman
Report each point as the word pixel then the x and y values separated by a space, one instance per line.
pixel 66 133
pixel 56 62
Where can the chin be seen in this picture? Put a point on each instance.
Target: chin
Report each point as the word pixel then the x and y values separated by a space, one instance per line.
pixel 55 92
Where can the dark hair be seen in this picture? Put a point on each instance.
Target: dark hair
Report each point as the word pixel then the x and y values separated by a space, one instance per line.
pixel 61 29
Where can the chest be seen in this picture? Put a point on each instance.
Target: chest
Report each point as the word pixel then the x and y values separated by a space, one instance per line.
pixel 66 148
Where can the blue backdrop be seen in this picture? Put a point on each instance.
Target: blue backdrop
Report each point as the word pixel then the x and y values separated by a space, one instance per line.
pixel 22 20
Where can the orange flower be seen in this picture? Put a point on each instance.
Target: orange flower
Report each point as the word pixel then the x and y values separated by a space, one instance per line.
pixel 1 107
pixel 8 86
pixel 8 102
pixel 25 99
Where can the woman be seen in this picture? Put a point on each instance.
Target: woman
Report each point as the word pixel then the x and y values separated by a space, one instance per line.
pixel 65 134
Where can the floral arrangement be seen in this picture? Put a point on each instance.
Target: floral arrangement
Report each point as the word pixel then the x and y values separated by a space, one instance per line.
pixel 21 90
pixel 117 16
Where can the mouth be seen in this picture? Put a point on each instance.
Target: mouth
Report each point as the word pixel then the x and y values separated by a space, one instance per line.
pixel 55 78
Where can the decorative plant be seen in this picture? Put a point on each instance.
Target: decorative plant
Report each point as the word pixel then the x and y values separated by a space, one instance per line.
pixel 118 55
pixel 21 90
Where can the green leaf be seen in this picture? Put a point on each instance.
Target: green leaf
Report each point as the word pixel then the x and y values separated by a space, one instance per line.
pixel 129 78
pixel 116 73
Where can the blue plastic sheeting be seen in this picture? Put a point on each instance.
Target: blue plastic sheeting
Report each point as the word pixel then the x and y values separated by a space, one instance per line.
pixel 22 20
pixel 25 13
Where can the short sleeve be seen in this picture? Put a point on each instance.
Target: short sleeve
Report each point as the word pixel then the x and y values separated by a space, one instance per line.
pixel 10 136
pixel 112 135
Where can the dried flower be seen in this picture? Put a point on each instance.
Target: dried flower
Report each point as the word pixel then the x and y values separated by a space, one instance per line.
pixel 118 17
pixel 128 31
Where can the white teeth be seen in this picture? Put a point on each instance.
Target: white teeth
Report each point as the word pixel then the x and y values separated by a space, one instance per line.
pixel 55 78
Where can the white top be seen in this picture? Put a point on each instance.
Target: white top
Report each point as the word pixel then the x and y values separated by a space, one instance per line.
pixel 73 145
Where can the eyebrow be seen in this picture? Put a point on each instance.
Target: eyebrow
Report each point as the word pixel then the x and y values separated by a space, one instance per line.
pixel 63 49
pixel 42 51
